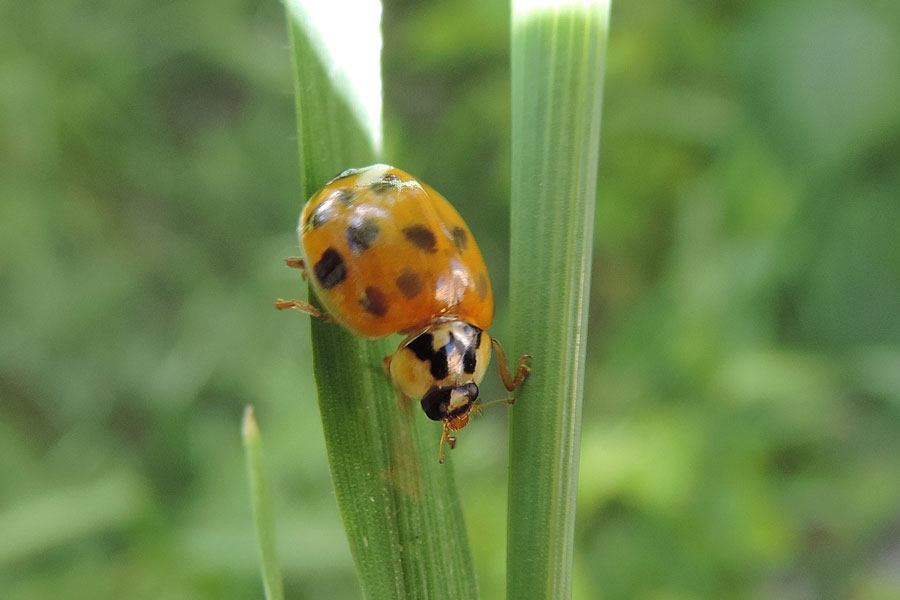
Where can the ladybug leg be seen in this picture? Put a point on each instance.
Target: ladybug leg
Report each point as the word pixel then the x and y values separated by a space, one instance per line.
pixel 479 407
pixel 303 307
pixel 386 363
pixel 450 439
pixel 296 262
pixel 522 369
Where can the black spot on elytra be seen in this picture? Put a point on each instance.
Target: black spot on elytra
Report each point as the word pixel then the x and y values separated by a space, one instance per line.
pixel 323 213
pixel 422 346
pixel 386 183
pixel 481 286
pixel 374 301
pixel 422 237
pixel 362 234
pixel 330 270
pixel 469 360
pixel 439 366
pixel 460 238
pixel 318 218
pixel 345 196
pixel 409 284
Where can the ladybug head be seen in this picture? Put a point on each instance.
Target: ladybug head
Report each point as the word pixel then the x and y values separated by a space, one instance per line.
pixel 451 404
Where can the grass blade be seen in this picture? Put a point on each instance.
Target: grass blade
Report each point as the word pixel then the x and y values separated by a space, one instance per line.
pixel 558 51
pixel 400 508
pixel 263 519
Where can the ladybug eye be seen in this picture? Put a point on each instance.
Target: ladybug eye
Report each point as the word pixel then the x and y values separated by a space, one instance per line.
pixel 436 402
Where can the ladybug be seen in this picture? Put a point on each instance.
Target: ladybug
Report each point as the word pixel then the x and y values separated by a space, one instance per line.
pixel 386 253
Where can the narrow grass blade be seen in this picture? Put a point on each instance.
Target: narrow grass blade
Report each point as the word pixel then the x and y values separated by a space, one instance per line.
pixel 558 51
pixel 400 508
pixel 263 519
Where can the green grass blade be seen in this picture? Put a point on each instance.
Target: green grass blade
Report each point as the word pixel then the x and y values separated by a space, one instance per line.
pixel 558 51
pixel 338 100
pixel 400 508
pixel 263 519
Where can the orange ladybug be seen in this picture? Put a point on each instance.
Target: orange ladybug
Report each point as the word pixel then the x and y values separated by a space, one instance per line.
pixel 385 253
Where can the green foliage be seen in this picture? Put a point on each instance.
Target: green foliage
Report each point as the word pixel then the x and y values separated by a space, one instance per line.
pixel 263 518
pixel 741 392
pixel 400 509
pixel 557 81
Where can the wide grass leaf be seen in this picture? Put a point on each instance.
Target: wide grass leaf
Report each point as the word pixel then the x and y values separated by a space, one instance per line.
pixel 399 506
pixel 558 51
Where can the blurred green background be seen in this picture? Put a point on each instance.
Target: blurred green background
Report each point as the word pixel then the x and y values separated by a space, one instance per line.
pixel 742 419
